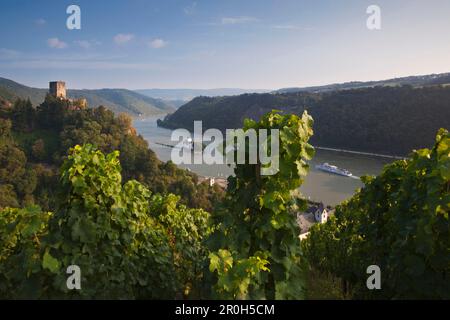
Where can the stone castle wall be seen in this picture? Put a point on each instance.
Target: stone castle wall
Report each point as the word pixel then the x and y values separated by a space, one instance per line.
pixel 58 89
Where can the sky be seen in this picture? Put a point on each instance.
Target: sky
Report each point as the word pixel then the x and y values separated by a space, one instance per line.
pixel 250 44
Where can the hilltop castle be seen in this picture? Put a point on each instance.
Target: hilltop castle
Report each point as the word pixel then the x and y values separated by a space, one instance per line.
pixel 57 89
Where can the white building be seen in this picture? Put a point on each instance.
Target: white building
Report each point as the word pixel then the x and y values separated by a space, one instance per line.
pixel 312 216
pixel 321 214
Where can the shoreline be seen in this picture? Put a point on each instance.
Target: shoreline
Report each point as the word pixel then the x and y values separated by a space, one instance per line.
pixel 319 187
pixel 364 153
pixel 361 153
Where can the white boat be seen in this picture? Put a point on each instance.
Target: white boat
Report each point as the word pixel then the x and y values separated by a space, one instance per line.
pixel 333 169
pixel 187 144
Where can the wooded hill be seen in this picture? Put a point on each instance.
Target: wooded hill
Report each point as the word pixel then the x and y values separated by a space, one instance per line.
pixel 34 142
pixel 388 120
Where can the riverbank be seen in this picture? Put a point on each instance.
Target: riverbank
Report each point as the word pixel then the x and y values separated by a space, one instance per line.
pixel 362 153
pixel 163 125
pixel 318 186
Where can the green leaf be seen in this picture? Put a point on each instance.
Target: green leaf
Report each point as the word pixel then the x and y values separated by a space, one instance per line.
pixel 214 262
pixel 32 227
pixel 50 263
pixel 445 170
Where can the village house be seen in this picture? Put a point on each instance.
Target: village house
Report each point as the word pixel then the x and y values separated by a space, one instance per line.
pixel 316 213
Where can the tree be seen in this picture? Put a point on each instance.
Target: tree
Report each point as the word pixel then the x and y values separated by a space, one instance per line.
pixel 13 172
pixel 38 150
pixel 23 115
pixel 8 197
pixel 5 128
pixel 52 112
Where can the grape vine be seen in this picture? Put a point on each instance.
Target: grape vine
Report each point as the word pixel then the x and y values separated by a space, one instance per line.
pixel 399 221
pixel 256 227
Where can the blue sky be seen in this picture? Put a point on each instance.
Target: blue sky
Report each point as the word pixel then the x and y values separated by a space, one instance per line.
pixel 139 44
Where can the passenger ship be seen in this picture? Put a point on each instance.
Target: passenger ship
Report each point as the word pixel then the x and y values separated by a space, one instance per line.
pixel 333 169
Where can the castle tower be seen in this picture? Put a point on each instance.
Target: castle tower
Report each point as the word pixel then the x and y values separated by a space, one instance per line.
pixel 58 89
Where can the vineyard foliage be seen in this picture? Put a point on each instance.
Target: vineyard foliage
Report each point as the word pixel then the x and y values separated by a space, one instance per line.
pixel 132 243
pixel 256 244
pixel 399 221
pixel 127 242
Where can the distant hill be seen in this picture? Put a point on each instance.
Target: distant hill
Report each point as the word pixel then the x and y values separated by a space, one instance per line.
pixel 10 90
pixel 188 94
pixel 175 103
pixel 122 100
pixel 416 81
pixel 117 100
pixel 387 120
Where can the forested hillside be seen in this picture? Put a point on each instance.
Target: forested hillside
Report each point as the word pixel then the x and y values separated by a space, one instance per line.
pixel 116 100
pixel 388 120
pixel 34 143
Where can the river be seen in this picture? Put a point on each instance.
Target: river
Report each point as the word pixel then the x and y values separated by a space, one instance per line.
pixel 319 186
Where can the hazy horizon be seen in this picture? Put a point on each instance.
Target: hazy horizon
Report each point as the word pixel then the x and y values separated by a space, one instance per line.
pixel 45 86
pixel 248 45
